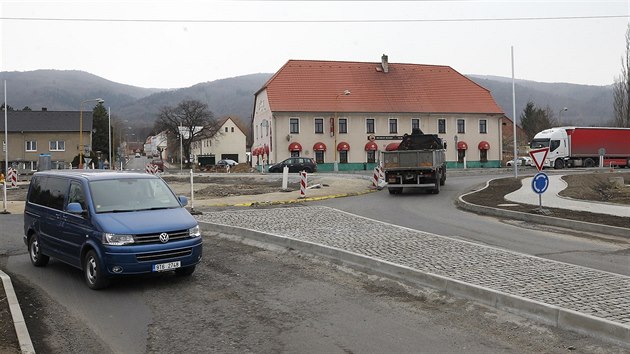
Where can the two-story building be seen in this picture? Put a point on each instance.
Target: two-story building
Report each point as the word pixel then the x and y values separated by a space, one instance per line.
pixel 229 142
pixel 343 114
pixel 54 133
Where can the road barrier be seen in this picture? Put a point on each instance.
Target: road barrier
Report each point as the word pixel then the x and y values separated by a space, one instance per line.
pixel 151 169
pixel 11 178
pixel 303 183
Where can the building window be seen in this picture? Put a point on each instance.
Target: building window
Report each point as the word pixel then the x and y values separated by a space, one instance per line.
pixel 226 129
pixel 415 123
pixel 294 126
pixel 319 156
pixel 369 125
pixel 441 126
pixel 343 125
pixel 343 156
pixel 393 126
pixel 461 126
pixel 461 154
pixel 319 125
pixel 31 145
pixel 483 126
pixel 295 153
pixel 232 129
pixel 57 145
pixel 371 156
pixel 483 155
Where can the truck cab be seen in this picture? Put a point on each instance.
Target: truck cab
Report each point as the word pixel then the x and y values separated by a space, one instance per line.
pixel 556 139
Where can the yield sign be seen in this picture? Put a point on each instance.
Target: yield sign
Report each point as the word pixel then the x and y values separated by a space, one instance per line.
pixel 539 157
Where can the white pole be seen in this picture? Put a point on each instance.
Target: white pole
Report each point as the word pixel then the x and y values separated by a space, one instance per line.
pixel 192 192
pixel 514 118
pixel 6 150
pixel 181 146
pixel 109 135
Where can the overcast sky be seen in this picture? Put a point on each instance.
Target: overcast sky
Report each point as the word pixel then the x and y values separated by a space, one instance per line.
pixel 173 44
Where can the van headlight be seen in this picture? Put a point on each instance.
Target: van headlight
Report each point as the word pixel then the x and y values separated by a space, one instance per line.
pixel 116 239
pixel 194 232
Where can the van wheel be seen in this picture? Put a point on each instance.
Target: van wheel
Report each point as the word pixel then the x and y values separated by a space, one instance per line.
pixel 35 253
pixel 94 272
pixel 185 271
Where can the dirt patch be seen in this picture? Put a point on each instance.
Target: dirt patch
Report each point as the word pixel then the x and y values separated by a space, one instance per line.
pixel 212 187
pixel 580 186
pixel 599 187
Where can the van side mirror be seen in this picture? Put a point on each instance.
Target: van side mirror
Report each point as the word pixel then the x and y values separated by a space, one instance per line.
pixel 183 200
pixel 75 208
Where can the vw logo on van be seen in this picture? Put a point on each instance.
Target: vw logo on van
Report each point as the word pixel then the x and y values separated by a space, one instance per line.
pixel 164 237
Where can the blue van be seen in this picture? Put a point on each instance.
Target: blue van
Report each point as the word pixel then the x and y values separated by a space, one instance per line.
pixel 109 224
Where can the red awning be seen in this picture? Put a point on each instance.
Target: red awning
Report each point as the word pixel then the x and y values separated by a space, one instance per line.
pixel 255 151
pixel 392 147
pixel 484 145
pixel 295 147
pixel 343 146
pixel 371 146
pixel 319 147
pixel 461 145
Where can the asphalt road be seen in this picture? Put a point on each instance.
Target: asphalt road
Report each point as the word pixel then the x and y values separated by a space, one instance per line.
pixel 437 214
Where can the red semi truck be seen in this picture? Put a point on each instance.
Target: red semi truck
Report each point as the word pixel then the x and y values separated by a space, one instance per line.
pixel 583 146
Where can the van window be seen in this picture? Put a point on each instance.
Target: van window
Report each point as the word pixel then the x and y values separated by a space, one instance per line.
pixel 76 195
pixel 50 192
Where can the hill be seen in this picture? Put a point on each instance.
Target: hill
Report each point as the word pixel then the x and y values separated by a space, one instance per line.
pixel 64 90
pixel 587 105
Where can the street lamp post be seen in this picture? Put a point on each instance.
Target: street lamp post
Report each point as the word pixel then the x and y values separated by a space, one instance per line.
pixel 99 100
pixel 335 122
pixel 560 115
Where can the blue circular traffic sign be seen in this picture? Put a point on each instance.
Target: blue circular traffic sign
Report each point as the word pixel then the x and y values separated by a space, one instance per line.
pixel 540 183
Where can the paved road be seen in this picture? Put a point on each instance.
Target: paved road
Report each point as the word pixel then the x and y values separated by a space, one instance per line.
pixel 437 214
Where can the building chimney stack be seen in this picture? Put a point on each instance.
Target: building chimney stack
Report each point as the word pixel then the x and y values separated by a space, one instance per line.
pixel 384 63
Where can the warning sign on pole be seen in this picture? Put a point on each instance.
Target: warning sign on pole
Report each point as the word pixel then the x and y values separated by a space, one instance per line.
pixel 539 157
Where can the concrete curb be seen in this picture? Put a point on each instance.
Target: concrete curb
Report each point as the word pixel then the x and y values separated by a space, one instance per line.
pixel 26 346
pixel 540 219
pixel 548 314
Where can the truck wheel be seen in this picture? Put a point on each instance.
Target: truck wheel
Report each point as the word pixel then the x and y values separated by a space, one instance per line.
pixel 93 272
pixel 443 179
pixel 558 164
pixel 438 180
pixel 589 162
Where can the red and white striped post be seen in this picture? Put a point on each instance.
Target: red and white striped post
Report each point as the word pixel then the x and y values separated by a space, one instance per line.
pixel 303 183
pixel 375 177
pixel 12 178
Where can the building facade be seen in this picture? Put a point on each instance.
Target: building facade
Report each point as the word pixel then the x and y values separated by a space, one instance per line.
pixel 343 114
pixel 54 133
pixel 229 142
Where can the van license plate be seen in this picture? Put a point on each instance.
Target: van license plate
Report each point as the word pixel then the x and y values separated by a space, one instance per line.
pixel 166 266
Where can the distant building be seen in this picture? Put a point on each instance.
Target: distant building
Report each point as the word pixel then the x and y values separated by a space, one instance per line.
pixel 348 112
pixel 229 142
pixel 54 133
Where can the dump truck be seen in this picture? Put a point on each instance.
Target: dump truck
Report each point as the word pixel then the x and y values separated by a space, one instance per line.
pixel 419 162
pixel 583 146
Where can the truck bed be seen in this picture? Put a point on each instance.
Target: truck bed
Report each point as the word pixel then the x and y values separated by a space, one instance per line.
pixel 413 159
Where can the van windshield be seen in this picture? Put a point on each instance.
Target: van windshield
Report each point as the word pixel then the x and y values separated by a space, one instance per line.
pixel 131 194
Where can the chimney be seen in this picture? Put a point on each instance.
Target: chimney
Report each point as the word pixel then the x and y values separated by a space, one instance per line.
pixel 44 109
pixel 384 63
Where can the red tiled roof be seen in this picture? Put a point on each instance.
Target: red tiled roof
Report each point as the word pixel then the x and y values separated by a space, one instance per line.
pixel 318 86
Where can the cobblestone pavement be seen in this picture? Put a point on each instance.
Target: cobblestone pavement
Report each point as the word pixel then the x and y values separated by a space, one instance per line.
pixel 587 291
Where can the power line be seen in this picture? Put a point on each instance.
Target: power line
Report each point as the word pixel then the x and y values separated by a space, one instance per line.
pixel 315 21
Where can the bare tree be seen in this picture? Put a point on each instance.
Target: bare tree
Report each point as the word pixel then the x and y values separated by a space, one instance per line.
pixel 190 120
pixel 621 89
